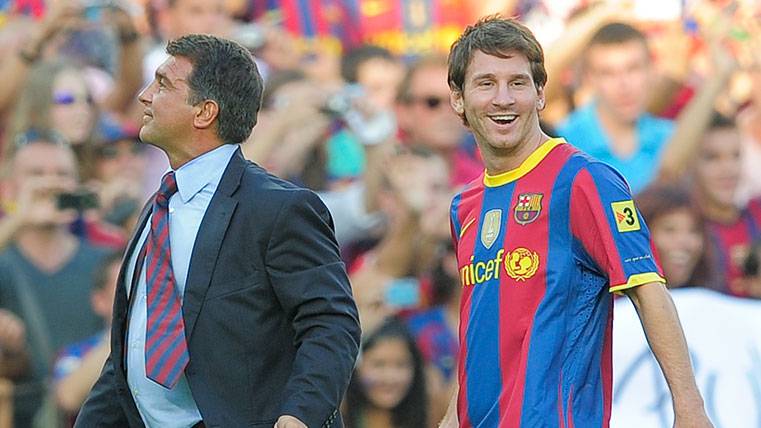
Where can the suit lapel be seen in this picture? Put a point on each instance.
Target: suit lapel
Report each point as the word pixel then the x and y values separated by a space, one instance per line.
pixel 209 241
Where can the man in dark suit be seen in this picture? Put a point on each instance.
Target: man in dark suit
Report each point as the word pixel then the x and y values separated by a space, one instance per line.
pixel 233 307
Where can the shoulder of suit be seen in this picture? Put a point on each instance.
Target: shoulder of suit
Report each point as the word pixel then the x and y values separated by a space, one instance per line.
pixel 270 188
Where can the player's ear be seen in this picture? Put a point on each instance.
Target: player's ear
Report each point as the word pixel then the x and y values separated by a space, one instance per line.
pixel 455 100
pixel 540 101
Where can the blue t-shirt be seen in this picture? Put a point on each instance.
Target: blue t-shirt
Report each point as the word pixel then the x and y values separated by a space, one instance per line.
pixel 583 129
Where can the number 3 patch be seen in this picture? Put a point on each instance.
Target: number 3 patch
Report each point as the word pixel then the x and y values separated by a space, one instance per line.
pixel 626 216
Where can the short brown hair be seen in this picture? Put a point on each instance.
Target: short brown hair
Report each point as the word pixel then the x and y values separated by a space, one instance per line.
pixel 494 35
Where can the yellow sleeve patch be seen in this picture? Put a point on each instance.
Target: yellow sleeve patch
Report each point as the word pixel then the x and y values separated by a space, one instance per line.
pixel 626 216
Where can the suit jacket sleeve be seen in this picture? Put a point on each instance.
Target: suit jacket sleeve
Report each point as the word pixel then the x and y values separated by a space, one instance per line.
pixel 311 284
pixel 102 408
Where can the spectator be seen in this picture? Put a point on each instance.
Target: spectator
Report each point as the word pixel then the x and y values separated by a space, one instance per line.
pixel 377 70
pixel 731 229
pixel 78 365
pixel 678 232
pixel 120 174
pixel 414 201
pixel 426 118
pixel 436 329
pixel 388 385
pixel 14 355
pixel 375 74
pixel 45 270
pixel 57 97
pixel 614 127
pixel 171 19
pixel 42 44
pixel 749 120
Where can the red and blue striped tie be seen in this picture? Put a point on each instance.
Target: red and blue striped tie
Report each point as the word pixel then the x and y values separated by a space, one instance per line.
pixel 166 352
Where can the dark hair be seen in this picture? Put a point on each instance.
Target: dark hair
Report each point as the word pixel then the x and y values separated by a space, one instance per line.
pixel 225 72
pixel 412 411
pixel 662 198
pixel 101 277
pixel 353 60
pixel 719 121
pixel 616 33
pixel 444 285
pixel 752 261
pixel 495 36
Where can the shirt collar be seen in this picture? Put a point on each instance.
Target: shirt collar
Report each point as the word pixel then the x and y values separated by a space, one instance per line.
pixel 205 169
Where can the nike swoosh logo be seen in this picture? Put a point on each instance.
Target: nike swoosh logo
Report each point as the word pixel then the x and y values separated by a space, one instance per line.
pixel 464 228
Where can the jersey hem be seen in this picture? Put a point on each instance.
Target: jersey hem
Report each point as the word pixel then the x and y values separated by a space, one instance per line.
pixel 637 280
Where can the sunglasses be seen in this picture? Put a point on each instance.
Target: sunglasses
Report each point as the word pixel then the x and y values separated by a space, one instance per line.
pixel 431 102
pixel 68 98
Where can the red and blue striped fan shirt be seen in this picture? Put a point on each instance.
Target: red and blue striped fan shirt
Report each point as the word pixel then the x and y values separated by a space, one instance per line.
pixel 730 245
pixel 539 250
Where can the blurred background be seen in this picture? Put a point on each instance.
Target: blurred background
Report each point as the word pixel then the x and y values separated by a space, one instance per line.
pixel 356 107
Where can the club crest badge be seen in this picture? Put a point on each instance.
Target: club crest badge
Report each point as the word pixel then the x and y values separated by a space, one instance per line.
pixel 521 263
pixel 491 227
pixel 528 208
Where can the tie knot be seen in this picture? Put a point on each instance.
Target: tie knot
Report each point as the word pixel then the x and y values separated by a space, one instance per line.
pixel 167 189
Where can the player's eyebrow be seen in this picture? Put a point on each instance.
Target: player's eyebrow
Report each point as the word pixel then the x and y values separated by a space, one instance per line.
pixel 489 75
pixel 482 76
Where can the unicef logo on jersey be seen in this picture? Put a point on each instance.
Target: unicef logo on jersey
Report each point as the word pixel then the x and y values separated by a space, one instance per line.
pixel 520 264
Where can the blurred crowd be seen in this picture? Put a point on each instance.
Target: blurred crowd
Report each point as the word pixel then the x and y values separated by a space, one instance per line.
pixel 356 107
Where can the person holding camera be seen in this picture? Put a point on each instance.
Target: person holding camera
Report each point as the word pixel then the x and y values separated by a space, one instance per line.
pixel 45 269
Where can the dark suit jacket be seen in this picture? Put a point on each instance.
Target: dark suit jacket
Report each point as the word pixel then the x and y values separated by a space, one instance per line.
pixel 269 318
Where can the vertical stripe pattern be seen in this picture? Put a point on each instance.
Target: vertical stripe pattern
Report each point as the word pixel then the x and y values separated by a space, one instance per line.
pixel 166 351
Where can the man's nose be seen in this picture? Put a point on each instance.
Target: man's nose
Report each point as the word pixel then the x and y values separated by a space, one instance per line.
pixel 503 96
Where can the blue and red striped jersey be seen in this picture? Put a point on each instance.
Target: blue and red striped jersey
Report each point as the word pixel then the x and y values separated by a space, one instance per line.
pixel 539 250
pixel 731 244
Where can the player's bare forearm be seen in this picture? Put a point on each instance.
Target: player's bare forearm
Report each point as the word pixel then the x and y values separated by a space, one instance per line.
pixel 450 418
pixel 664 334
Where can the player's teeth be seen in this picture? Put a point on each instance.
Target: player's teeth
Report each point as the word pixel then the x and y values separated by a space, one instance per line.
pixel 508 117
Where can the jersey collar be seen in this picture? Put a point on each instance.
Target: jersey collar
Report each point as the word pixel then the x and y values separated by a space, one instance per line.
pixel 530 163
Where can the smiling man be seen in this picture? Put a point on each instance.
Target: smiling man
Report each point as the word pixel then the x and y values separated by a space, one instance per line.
pixel 535 321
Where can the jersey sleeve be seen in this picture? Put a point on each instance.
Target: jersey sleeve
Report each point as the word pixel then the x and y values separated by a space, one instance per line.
pixel 609 228
pixel 454 223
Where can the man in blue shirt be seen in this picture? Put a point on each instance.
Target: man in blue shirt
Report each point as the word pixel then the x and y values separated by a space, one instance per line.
pixel 615 126
pixel 233 307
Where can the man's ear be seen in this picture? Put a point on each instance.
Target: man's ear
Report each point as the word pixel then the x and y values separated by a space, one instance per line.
pixel 207 112
pixel 540 102
pixel 455 100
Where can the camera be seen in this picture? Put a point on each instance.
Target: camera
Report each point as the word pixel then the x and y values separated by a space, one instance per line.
pixel 370 130
pixel 79 200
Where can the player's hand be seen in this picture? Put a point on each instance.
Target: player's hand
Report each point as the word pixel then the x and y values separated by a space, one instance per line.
pixel 287 421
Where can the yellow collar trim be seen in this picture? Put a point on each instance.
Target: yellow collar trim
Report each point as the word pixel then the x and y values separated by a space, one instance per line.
pixel 530 163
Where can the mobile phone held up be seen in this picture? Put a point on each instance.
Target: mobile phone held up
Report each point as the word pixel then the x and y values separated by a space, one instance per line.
pixel 403 293
pixel 79 200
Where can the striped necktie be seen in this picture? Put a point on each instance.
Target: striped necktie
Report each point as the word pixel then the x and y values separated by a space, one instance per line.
pixel 166 352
